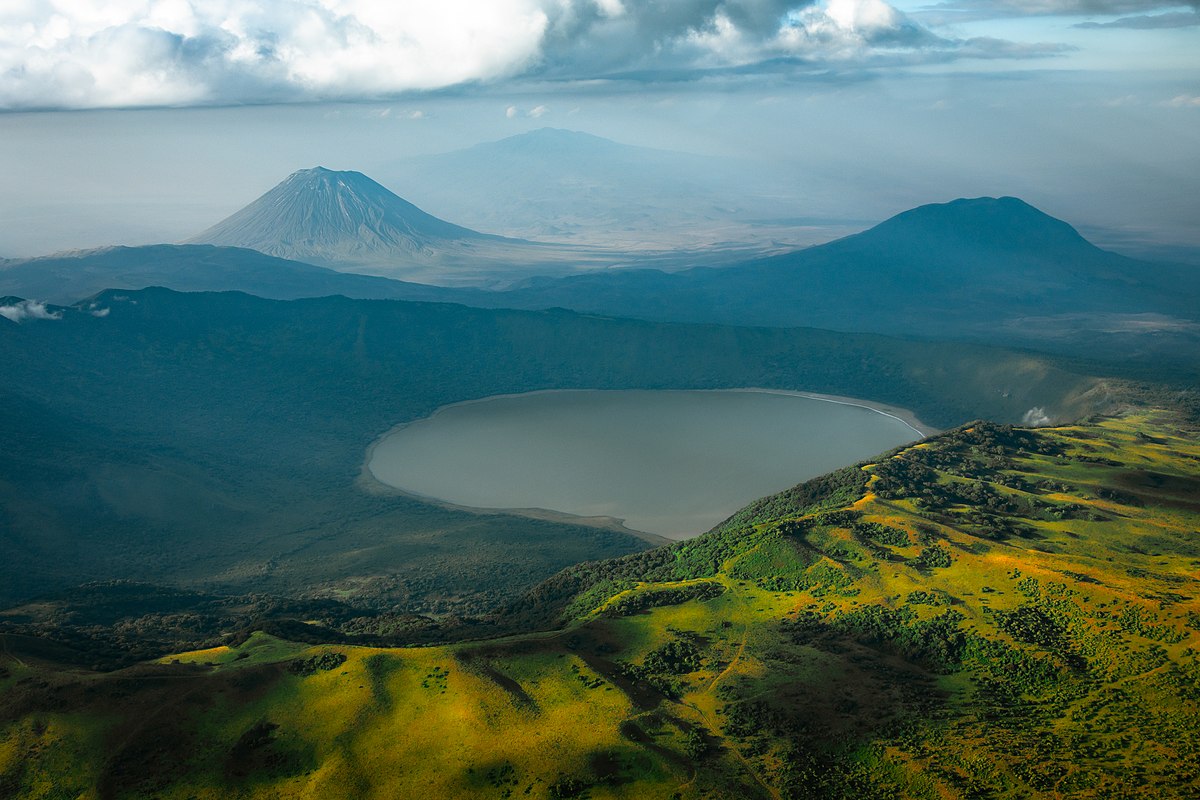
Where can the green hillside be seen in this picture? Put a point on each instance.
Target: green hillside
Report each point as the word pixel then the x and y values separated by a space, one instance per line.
pixel 994 612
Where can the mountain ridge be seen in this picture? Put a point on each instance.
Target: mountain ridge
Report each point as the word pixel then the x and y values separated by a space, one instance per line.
pixel 990 269
pixel 566 185
pixel 70 277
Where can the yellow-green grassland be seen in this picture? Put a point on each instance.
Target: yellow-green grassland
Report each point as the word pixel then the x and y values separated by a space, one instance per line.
pixel 993 612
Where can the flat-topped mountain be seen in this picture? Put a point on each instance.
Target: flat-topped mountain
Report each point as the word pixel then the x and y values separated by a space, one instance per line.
pixel 330 217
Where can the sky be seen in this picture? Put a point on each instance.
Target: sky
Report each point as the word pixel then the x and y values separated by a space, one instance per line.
pixel 134 121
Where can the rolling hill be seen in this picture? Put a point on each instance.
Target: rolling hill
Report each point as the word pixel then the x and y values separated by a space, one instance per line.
pixel 994 612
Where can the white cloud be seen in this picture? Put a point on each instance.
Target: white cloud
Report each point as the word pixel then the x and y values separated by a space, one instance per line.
pixel 193 52
pixel 512 112
pixel 28 309
pixel 168 52
pixel 1184 101
pixel 988 9
pixel 611 8
pixel 1036 417
pixel 1179 19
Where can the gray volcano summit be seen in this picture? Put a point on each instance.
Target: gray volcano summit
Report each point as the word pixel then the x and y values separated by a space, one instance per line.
pixel 339 219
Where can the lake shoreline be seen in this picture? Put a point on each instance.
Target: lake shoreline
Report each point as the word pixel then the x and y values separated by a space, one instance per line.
pixel 369 483
pixel 895 412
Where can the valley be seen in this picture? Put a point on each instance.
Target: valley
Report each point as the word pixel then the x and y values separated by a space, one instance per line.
pixel 249 483
pixel 341 498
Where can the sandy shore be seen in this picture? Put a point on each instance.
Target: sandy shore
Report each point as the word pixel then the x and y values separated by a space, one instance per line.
pixel 895 412
pixel 372 485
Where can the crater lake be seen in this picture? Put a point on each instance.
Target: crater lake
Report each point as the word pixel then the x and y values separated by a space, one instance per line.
pixel 672 463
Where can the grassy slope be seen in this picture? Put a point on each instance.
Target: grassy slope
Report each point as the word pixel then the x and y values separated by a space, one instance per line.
pixel 868 635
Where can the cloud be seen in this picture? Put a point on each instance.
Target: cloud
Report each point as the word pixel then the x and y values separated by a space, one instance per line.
pixel 1184 101
pixel 1036 417
pixel 28 309
pixel 1179 19
pixel 187 52
pixel 964 10
pixel 198 52
pixel 512 112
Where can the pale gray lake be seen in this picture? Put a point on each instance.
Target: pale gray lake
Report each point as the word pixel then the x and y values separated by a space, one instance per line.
pixel 673 463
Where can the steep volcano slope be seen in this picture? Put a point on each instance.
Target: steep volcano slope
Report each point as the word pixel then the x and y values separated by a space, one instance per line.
pixel 322 216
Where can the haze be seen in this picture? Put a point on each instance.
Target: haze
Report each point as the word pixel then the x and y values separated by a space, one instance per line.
pixel 151 123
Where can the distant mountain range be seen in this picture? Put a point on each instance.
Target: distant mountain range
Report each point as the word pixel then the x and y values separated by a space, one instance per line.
pixel 562 185
pixel 347 221
pixel 70 277
pixel 993 269
pixel 986 269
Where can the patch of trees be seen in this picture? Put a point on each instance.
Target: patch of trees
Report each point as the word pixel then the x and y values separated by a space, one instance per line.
pixel 923 598
pixel 932 557
pixel 567 787
pixel 1032 625
pixel 115 624
pixel 839 488
pixel 662 666
pixel 881 534
pixel 322 662
pixel 646 599
pixel 1118 496
pixel 697 744
pixel 937 644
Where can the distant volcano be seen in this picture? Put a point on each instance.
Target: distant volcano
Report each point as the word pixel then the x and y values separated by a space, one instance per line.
pixel 331 218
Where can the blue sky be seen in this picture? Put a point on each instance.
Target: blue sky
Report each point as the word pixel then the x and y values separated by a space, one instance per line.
pixel 145 120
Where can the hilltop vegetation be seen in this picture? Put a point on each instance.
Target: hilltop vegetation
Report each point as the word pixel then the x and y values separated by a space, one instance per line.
pixel 994 612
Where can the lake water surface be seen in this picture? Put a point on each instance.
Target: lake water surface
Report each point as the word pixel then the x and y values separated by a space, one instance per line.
pixel 673 463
